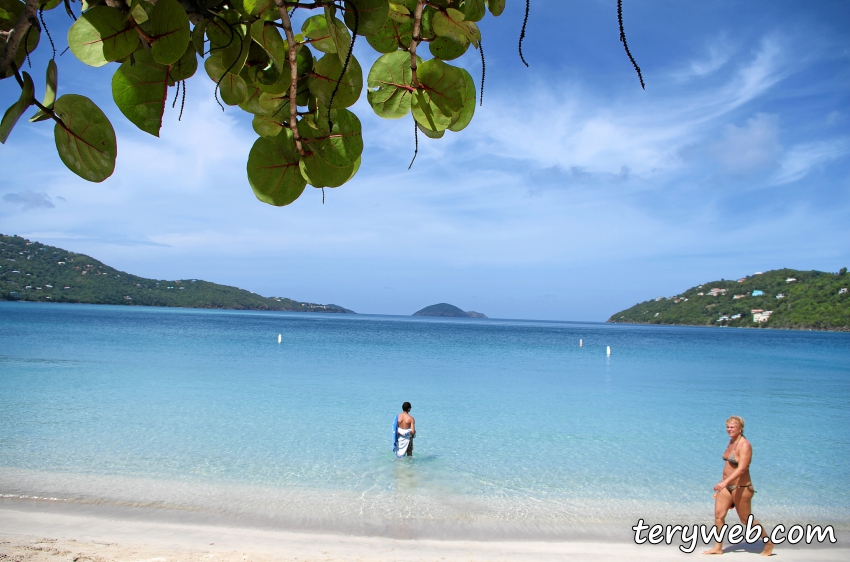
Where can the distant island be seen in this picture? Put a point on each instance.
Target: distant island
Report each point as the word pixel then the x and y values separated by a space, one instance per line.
pixel 782 298
pixel 447 310
pixel 31 271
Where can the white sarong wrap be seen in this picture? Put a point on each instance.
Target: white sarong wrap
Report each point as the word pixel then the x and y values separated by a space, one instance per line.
pixel 403 441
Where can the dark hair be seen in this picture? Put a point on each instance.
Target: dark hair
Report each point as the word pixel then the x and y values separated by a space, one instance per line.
pixel 406 406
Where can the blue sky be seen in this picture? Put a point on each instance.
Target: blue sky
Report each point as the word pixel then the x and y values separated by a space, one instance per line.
pixel 572 195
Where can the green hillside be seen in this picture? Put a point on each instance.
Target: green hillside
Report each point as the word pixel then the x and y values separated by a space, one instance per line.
pixel 30 271
pixel 813 300
pixel 443 309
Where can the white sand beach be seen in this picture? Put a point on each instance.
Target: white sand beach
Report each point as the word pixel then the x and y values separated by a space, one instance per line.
pixel 40 537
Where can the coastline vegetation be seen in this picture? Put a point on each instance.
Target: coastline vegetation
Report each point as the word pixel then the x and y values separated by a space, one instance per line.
pixel 31 271
pixel 782 298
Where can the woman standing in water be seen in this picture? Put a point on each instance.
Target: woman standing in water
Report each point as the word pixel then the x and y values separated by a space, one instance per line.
pixel 736 487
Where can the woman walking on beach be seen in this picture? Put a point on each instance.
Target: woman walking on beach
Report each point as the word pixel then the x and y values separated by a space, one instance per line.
pixel 736 487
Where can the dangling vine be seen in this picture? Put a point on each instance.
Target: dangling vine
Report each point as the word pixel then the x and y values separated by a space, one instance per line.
pixel 298 85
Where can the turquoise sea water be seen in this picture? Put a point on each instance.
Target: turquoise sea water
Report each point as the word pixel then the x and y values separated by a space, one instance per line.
pixel 201 415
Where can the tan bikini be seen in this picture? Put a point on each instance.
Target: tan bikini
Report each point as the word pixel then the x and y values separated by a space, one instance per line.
pixel 734 463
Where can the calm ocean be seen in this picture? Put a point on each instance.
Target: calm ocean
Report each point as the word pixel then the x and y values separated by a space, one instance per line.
pixel 201 415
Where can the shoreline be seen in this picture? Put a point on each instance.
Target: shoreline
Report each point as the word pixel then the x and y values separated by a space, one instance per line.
pixel 41 536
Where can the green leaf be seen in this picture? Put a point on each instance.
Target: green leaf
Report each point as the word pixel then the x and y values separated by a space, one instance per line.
pixel 101 36
pixel 49 92
pixel 451 24
pixel 447 49
pixel 10 10
pixel 496 7
pixel 170 28
pixel 389 85
pixel 473 10
pixel 274 104
pixel 371 15
pixel 324 80
pixel 340 36
pixel 225 29
pixel 198 34
pixel 332 158
pixel 185 67
pixel 392 36
pixel 401 14
pixel 17 109
pixel 342 146
pixel 273 170
pixel 233 57
pixel 442 95
pixel 252 101
pixel 463 118
pixel 268 37
pixel 86 142
pixel 317 31
pixel 233 88
pixel 426 29
pixel 140 91
pixel 256 7
pixel 268 126
pixel 429 133
pixel 140 10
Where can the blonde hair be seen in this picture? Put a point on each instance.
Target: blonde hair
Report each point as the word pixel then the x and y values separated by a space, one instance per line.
pixel 738 420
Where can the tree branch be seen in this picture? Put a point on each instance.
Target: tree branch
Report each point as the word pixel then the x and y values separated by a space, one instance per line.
pixel 16 35
pixel 416 39
pixel 293 73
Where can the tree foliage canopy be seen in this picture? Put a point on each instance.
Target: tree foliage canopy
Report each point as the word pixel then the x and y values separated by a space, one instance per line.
pixel 298 87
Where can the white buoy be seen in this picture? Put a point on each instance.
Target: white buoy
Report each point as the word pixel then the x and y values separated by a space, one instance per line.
pixel 580 343
pixel 609 350
pixel 279 338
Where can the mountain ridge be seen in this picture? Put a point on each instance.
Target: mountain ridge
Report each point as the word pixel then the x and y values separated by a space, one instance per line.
pixel 32 271
pixel 781 298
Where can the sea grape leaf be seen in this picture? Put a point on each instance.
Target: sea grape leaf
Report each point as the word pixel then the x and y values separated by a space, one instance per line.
pixel 323 81
pixel 273 169
pixel 371 15
pixel 317 31
pixel 139 11
pixel 233 57
pixel 447 49
pixel 256 7
pixel 463 118
pixel 426 29
pixel 10 10
pixel 281 86
pixel 140 91
pixel 473 10
pixel 101 36
pixel 198 36
pixel 252 101
pixel 389 85
pixel 441 96
pixel 409 4
pixel 268 37
pixel 320 173
pixel 274 104
pixel 392 36
pixel 268 126
pixel 224 29
pixel 185 67
pixel 401 14
pixel 429 133
pixel 17 109
pixel 496 7
pixel 339 34
pixel 339 147
pixel 232 87
pixel 170 28
pixel 49 92
pixel 85 139
pixel 451 24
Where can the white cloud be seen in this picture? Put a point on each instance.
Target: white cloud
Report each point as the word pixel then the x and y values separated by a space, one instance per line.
pixel 28 200
pixel 752 147
pixel 803 158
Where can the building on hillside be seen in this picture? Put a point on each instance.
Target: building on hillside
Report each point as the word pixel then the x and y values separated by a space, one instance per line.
pixel 842 291
pixel 735 316
pixel 757 293
pixel 762 316
pixel 780 296
pixel 790 280
pixel 723 319
pixel 758 273
pixel 736 297
pixel 742 279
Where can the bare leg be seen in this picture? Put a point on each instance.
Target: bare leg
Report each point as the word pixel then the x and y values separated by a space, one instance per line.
pixel 722 503
pixel 743 505
pixel 410 448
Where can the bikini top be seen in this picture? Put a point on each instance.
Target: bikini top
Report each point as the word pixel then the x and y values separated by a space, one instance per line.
pixel 731 458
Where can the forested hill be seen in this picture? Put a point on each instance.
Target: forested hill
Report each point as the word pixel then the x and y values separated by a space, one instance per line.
pixel 30 271
pixel 783 298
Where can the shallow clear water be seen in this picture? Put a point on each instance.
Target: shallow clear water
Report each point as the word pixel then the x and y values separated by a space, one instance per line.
pixel 521 433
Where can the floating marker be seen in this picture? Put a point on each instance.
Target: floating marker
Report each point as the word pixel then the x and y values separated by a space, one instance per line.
pixel 609 350
pixel 580 342
pixel 280 337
